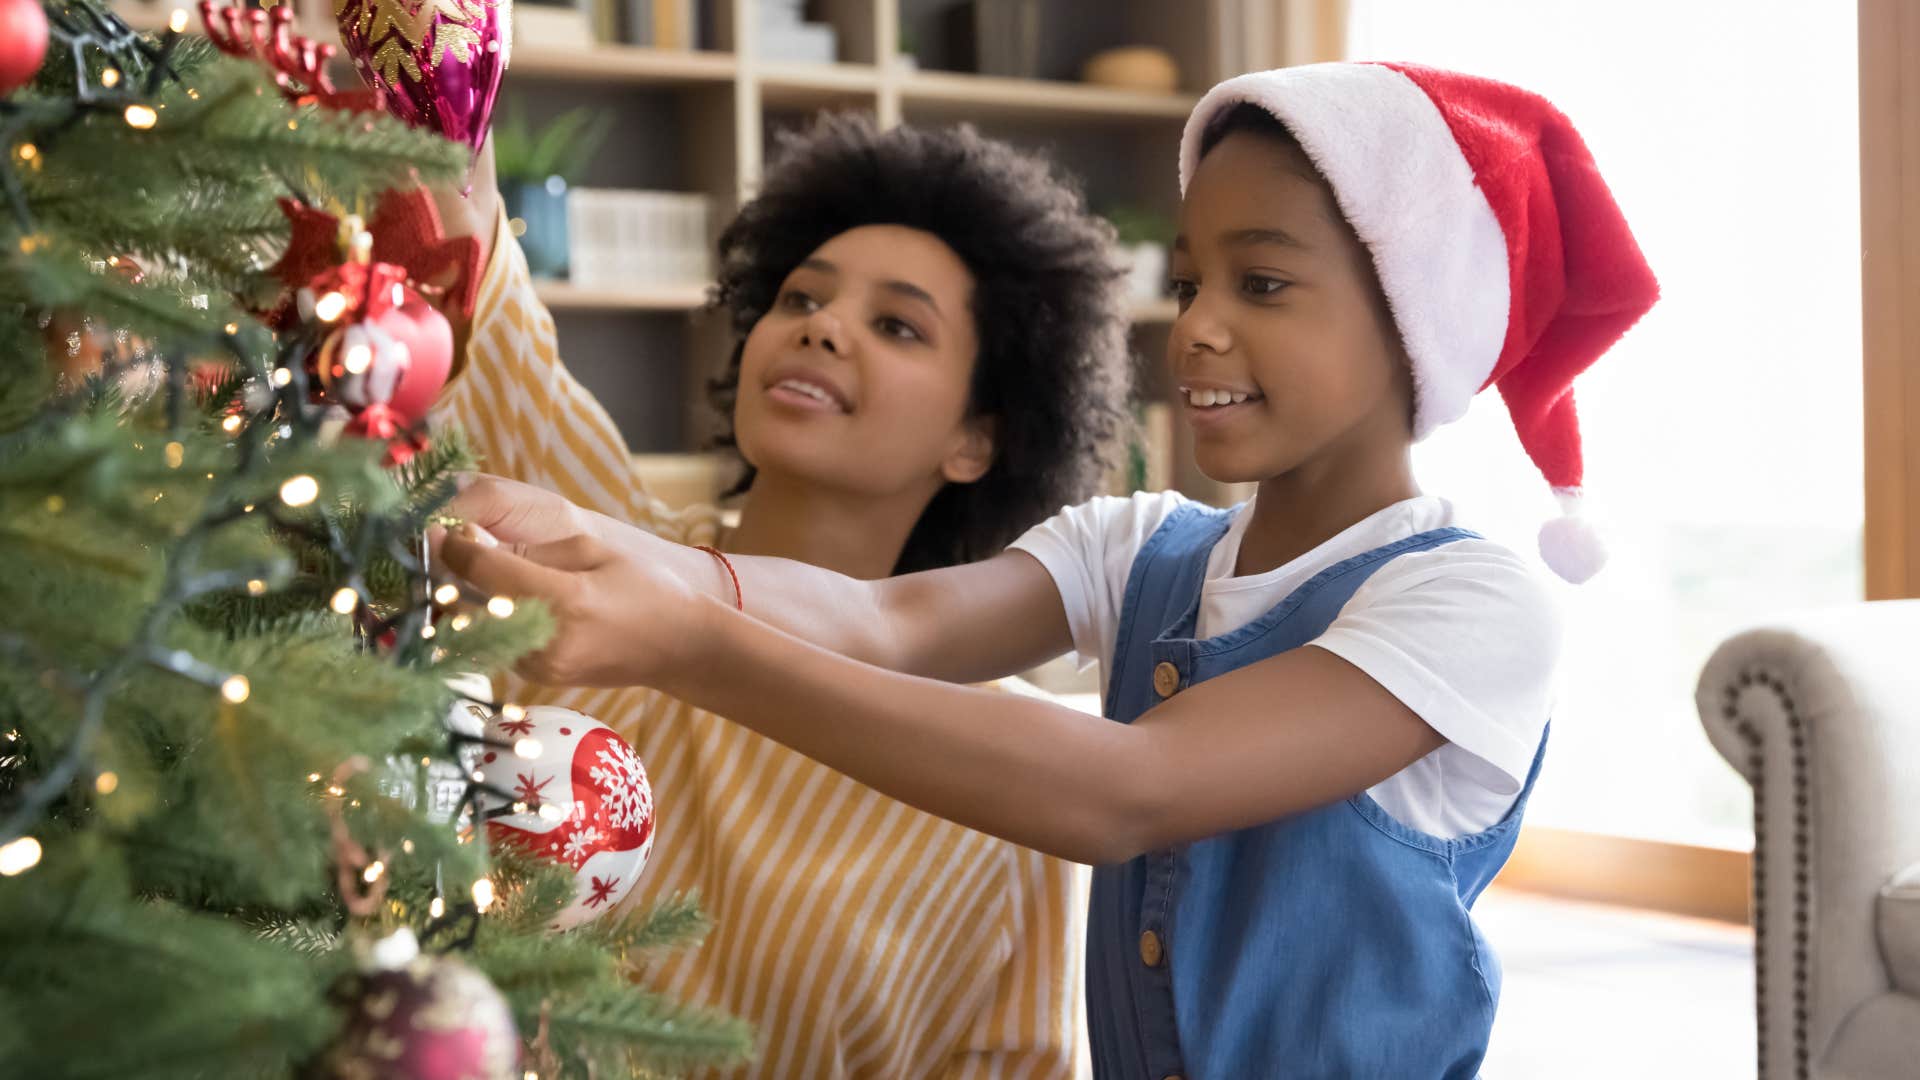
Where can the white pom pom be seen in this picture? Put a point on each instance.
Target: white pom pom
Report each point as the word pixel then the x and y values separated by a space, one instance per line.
pixel 1570 544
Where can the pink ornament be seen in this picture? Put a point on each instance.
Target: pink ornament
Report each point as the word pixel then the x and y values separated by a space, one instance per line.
pixel 438 62
pixel 431 1018
pixel 587 802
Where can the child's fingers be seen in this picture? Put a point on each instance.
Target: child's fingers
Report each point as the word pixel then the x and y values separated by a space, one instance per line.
pixel 518 514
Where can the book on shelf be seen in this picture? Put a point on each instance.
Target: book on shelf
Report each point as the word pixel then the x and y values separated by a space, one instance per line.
pixel 552 24
pixel 622 239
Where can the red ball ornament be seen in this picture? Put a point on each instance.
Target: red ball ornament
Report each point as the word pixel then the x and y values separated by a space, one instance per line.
pixel 23 42
pixel 583 801
pixel 431 1018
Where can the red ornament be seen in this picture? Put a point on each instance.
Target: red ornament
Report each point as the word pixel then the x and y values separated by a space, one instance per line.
pixel 23 42
pixel 298 63
pixel 387 356
pixel 406 231
pixel 433 1018
pixel 587 803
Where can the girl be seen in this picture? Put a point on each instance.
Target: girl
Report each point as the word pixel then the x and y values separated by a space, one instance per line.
pixel 1332 700
pixel 931 357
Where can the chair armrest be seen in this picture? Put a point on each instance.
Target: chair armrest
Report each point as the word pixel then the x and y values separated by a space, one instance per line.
pixel 1821 714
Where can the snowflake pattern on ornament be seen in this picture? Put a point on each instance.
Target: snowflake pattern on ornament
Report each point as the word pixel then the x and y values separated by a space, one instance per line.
pixel 602 891
pixel 578 845
pixel 624 784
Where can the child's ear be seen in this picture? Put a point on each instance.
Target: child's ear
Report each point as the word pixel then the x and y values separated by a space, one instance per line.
pixel 972 453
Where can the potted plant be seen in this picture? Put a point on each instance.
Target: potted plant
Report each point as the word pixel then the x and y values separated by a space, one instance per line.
pixel 1145 236
pixel 534 171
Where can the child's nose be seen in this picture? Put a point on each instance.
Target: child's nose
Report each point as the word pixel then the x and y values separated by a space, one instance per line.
pixel 1199 328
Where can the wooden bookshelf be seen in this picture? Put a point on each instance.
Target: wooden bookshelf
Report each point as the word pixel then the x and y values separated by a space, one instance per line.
pixel 977 96
pixel 633 65
pixel 566 296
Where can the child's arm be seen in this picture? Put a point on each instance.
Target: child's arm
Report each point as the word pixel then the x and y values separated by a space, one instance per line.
pixel 1284 735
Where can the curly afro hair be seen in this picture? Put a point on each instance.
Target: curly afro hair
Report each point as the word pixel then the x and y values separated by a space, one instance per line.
pixel 1053 371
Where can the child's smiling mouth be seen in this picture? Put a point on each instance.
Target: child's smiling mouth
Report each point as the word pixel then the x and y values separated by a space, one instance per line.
pixel 1209 403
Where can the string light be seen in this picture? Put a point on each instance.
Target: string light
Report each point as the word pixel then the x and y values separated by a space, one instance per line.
pixel 336 790
pixel 282 376
pixel 141 117
pixel 482 895
pixel 551 812
pixel 426 632
pixel 19 857
pixel 500 607
pixel 28 152
pixel 231 424
pixel 329 307
pixel 528 748
pixel 236 689
pixel 293 125
pixel 345 600
pixel 175 455
pixel 106 782
pixel 406 846
pixel 358 359
pixel 513 712
pixel 256 587
pixel 300 490
pixel 437 908
pixel 313 778
pixel 177 22
pixel 373 871
pixel 446 594
pixel 461 622
pixel 110 78
pixel 232 328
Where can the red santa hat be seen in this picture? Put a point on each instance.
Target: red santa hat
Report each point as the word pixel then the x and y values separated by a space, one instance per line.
pixel 1500 250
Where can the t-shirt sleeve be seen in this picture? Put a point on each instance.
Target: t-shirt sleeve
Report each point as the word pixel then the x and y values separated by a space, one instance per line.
pixel 1467 636
pixel 1089 550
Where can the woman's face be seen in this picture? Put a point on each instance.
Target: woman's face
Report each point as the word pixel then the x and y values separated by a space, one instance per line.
pixel 858 377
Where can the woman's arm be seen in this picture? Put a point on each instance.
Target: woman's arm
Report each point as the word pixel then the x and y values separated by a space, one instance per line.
pixel 1278 737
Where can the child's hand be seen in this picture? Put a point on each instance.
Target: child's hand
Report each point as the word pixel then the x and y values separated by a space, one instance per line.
pixel 623 618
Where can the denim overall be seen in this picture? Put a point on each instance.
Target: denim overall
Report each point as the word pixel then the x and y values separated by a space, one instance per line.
pixel 1333 943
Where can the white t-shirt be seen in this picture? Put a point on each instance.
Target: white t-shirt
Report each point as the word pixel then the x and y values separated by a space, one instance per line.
pixel 1465 635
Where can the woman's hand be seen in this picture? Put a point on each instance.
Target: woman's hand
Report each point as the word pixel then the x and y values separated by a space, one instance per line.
pixel 625 615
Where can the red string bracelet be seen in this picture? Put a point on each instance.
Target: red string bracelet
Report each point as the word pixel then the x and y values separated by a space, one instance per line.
pixel 739 600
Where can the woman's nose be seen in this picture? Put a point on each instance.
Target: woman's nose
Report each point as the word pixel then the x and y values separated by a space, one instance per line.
pixel 823 328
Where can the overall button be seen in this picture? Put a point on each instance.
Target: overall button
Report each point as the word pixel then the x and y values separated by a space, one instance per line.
pixel 1151 951
pixel 1166 679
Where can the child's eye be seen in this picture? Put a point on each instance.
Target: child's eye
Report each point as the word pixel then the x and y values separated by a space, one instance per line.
pixel 895 328
pixel 1183 291
pixel 1262 285
pixel 795 300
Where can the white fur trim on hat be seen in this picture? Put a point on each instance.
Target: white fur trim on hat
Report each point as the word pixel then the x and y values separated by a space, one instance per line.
pixel 1403 183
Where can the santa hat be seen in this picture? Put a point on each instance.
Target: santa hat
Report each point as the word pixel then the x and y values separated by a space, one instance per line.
pixel 1500 250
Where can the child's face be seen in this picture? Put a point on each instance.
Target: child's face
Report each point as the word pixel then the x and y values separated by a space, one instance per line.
pixel 858 377
pixel 1281 319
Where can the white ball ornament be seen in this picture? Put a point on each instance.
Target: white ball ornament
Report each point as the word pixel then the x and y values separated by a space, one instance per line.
pixel 579 797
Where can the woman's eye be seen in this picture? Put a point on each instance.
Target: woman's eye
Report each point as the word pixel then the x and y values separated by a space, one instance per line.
pixel 895 328
pixel 1261 285
pixel 1183 291
pixel 795 300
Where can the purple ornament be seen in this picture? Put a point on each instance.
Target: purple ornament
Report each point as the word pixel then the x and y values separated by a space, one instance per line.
pixel 433 1018
pixel 439 62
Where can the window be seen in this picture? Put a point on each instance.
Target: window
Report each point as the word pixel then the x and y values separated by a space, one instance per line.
pixel 1723 434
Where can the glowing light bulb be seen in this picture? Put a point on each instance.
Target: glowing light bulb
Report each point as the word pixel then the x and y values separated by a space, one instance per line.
pixel 329 307
pixel 300 490
pixel 345 600
pixel 500 607
pixel 141 117
pixel 236 689
pixel 19 857
pixel 446 594
pixel 482 894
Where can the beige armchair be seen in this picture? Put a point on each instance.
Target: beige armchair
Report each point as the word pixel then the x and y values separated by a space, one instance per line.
pixel 1821 714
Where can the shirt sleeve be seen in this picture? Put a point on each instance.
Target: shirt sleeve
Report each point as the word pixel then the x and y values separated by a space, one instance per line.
pixel 1467 636
pixel 1032 1026
pixel 1089 550
pixel 529 419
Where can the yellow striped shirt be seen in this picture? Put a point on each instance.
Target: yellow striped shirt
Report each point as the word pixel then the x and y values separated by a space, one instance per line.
pixel 861 937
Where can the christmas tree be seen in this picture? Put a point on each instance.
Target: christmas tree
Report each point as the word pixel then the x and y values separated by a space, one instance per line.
pixel 224 667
